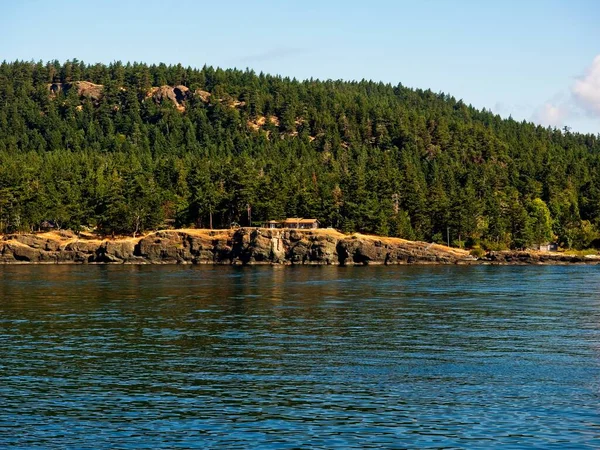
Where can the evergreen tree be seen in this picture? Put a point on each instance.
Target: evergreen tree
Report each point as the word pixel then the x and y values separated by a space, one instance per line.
pixel 359 156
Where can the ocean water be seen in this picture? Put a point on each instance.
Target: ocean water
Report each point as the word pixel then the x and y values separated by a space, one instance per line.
pixel 299 357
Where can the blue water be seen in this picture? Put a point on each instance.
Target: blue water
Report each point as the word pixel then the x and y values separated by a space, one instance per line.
pixel 299 357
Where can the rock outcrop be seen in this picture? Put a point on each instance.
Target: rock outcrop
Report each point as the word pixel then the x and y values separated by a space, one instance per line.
pixel 177 95
pixel 242 246
pixel 85 89
pixel 252 246
pixel 535 257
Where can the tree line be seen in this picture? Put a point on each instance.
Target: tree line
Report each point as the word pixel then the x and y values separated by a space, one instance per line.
pixel 358 155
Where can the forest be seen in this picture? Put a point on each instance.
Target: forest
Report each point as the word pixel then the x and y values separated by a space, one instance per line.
pixel 126 148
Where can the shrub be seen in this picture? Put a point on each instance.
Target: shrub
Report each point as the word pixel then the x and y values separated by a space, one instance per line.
pixel 477 252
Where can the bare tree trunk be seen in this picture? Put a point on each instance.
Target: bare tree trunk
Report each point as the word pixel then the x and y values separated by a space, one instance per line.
pixel 137 226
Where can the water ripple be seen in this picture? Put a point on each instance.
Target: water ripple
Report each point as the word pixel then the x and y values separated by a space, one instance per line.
pixel 319 357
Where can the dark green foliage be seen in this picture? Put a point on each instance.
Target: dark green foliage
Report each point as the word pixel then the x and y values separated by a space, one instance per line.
pixel 359 156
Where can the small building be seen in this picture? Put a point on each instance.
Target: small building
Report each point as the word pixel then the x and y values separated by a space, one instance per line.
pixel 309 224
pixel 303 224
pixel 294 222
pixel 547 247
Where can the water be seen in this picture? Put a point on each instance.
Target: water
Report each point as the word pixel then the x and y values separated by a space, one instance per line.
pixel 285 357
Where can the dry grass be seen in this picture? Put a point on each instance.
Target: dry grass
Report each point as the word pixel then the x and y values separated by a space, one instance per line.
pixel 205 232
pixel 417 244
pixel 588 252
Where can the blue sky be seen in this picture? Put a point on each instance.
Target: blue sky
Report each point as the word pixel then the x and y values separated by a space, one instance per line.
pixel 534 60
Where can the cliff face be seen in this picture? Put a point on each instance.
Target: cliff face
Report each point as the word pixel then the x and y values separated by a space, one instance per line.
pixel 252 246
pixel 242 246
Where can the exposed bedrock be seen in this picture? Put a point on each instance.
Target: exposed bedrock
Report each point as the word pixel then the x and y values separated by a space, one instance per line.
pixel 242 246
pixel 251 246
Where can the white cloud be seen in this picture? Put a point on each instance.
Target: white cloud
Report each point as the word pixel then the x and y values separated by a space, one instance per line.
pixel 551 114
pixel 584 97
pixel 586 89
pixel 511 108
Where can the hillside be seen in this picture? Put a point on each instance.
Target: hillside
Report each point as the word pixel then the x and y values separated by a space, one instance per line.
pixel 127 148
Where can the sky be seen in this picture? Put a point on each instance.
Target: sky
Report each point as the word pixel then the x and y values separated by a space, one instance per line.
pixel 534 60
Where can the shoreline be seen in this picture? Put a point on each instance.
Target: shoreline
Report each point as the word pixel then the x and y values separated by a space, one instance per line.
pixel 255 246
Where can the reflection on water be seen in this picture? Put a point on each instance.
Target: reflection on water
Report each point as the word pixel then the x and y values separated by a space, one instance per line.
pixel 289 357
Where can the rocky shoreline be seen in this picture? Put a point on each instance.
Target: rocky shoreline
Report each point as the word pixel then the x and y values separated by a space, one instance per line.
pixel 250 246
